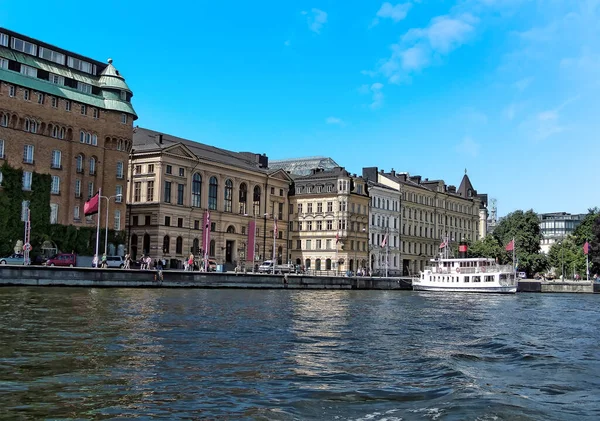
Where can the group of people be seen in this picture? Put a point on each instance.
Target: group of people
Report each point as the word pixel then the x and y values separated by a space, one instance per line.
pixel 100 263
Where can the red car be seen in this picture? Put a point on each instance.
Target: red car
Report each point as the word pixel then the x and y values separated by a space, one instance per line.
pixel 63 259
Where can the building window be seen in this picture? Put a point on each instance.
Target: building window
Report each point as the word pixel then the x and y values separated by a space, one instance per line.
pixel 28 70
pixel 212 193
pixel 169 169
pixel 180 188
pixel 76 214
pixel 1 149
pixel 167 192
pixel 118 193
pixel 26 180
pixel 53 213
pixel 167 221
pixel 77 188
pixel 11 91
pixel 56 159
pixel 28 154
pixel 137 191
pixel 150 168
pixel 24 46
pixel 26 94
pixel 117 220
pixel 256 200
pixel 50 55
pixel 180 222
pixel 3 63
pixel 81 65
pixel 92 166
pixel 4 120
pixel 120 168
pixel 228 196
pixel 40 98
pixel 181 172
pixel 150 191
pixel 55 188
pixel 124 118
pixel 54 102
pixel 79 163
pixel 95 112
pixel 56 79
pixel 90 189
pixel 196 190
pixel 4 40
pixel 68 105
pixel 85 88
pixel 166 242
pixel 30 125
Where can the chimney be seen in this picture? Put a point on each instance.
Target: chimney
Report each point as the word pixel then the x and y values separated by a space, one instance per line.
pixel 160 138
pixel 393 172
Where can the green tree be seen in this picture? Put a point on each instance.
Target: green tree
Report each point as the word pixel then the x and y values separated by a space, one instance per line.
pixel 584 231
pixel 524 228
pixel 566 257
pixel 486 247
pixel 594 252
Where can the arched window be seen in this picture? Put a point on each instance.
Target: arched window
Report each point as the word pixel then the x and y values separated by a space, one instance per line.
pixel 212 193
pixel 318 264
pixel 228 195
pixel 196 190
pixel 54 131
pixel 243 197
pixel 230 229
pixel 179 245
pixel 61 133
pixel 92 165
pixel 256 199
pixel 79 162
pixel 307 264
pixel 146 245
pixel 196 246
pixel 279 255
pixel 211 250
pixel 4 120
pixel 166 244
pixel 82 136
pixel 328 264
pixel 94 140
pixel 134 247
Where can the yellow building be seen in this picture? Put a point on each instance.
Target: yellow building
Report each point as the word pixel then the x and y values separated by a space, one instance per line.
pixel 173 182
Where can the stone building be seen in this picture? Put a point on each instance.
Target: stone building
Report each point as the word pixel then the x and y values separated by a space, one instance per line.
pixel 69 116
pixel 174 183
pixel 329 211
pixel 429 212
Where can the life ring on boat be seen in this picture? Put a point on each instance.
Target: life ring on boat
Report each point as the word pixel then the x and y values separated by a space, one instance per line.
pixel 483 268
pixel 438 270
pixel 457 270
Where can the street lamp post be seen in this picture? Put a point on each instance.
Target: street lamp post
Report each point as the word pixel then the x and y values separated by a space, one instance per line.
pixel 106 229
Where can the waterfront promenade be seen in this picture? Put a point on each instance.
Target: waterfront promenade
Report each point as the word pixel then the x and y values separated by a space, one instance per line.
pixel 119 278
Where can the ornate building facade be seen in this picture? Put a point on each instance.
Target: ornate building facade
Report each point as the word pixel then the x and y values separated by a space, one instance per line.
pixel 430 212
pixel 69 116
pixel 329 212
pixel 174 182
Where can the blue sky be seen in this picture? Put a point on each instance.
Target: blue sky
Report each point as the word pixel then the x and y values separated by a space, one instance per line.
pixel 507 89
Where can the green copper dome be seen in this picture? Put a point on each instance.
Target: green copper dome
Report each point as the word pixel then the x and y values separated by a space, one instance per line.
pixel 111 79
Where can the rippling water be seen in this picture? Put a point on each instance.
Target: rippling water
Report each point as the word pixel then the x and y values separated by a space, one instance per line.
pixel 297 355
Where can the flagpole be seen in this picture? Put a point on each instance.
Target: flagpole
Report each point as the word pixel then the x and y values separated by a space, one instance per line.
pixel 274 241
pixel 98 227
pixel 387 252
pixel 336 253
pixel 513 250
pixel 587 260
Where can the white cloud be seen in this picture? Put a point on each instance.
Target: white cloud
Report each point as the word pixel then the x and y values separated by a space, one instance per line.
pixel 522 84
pixel 468 147
pixel 389 11
pixel 419 46
pixel 377 98
pixel 316 18
pixel 335 120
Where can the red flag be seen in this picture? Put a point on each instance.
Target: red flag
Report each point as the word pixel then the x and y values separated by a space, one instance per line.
pixel 444 244
pixel 91 206
pixel 586 248
pixel 337 237
pixel 510 246
pixel 275 228
pixel 384 242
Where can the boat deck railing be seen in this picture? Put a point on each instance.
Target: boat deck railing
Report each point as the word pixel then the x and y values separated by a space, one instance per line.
pixel 471 270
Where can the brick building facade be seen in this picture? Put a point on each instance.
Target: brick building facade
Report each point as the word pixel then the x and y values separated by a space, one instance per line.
pixel 68 116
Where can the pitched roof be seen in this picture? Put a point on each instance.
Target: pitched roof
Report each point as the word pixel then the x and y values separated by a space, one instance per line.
pixel 303 166
pixel 466 186
pixel 145 140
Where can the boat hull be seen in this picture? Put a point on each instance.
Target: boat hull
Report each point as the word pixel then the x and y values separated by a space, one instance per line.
pixel 493 289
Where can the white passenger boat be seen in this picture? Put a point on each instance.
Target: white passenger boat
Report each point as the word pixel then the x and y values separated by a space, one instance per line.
pixel 466 275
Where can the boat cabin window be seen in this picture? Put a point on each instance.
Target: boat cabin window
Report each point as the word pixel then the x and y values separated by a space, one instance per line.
pixel 476 278
pixel 466 279
pixel 488 278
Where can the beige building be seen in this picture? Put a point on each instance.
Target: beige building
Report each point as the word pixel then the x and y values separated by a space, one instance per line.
pixel 329 221
pixel 430 211
pixel 69 116
pixel 174 182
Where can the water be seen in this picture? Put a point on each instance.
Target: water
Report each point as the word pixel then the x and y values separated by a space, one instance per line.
pixel 76 353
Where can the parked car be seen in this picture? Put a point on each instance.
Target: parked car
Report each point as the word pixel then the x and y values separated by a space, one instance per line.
pixel 13 259
pixel 115 262
pixel 63 259
pixel 521 275
pixel 267 267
